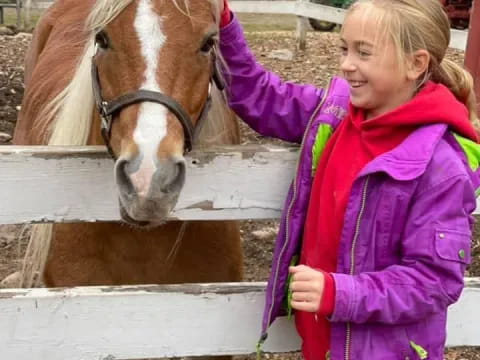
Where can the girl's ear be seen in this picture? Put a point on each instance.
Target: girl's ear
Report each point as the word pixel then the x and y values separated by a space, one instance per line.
pixel 418 64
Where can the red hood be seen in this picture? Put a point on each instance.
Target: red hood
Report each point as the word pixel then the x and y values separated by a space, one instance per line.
pixel 434 104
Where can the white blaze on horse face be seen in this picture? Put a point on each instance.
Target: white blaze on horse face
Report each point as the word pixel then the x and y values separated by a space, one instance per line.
pixel 152 118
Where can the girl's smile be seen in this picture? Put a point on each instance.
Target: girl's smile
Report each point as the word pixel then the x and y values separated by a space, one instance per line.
pixel 356 84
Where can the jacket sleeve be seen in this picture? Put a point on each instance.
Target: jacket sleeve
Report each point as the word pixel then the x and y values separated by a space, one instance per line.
pixel 267 104
pixel 434 255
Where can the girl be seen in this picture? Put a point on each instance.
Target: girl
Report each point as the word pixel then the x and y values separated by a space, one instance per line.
pixel 379 212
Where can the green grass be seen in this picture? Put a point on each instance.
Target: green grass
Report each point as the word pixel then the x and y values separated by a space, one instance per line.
pixel 267 22
pixel 10 16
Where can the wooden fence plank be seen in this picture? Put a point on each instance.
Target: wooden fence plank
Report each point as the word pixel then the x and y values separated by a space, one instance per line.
pixel 77 184
pixel 266 7
pixel 169 320
pixel 63 185
pixel 136 322
pixel 463 322
pixel 319 12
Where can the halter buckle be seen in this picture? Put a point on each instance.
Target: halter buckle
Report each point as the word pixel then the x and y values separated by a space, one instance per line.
pixel 103 109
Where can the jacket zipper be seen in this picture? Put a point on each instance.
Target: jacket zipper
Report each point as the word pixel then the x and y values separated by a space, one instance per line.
pixel 294 195
pixel 352 258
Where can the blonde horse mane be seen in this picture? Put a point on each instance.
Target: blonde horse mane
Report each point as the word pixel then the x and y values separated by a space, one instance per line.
pixel 76 101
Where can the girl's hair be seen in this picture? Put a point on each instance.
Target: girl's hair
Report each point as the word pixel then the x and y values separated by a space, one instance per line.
pixel 423 24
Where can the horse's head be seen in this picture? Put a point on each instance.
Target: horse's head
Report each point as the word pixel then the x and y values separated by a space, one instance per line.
pixel 153 68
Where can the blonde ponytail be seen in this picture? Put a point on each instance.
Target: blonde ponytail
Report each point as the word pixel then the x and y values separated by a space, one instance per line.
pixel 461 84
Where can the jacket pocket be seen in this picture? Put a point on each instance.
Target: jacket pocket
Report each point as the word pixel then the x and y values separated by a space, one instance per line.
pixel 453 246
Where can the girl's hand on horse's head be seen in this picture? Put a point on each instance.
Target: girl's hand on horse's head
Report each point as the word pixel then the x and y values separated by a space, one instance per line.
pixel 225 15
pixel 221 5
pixel 307 287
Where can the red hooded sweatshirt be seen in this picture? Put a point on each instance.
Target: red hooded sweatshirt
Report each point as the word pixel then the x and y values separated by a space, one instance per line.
pixel 354 144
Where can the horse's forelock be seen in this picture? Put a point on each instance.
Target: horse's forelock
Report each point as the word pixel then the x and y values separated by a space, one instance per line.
pixel 104 11
pixel 184 7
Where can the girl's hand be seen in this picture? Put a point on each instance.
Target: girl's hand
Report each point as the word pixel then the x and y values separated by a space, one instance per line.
pixel 225 15
pixel 307 288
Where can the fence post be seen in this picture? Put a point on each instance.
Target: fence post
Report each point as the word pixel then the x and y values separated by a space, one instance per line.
pixel 302 27
pixel 472 54
pixel 27 11
pixel 18 8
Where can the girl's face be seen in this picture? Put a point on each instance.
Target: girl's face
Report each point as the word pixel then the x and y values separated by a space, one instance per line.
pixel 379 82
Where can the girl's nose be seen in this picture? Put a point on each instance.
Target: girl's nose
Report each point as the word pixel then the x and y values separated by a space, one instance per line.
pixel 346 64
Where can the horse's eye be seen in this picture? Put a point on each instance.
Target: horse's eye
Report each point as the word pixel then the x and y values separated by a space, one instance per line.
pixel 208 45
pixel 101 39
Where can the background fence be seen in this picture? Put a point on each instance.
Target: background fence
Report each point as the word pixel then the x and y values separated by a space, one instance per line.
pixel 302 8
pixel 305 9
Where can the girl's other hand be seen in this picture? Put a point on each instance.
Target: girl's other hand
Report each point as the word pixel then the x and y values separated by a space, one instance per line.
pixel 307 288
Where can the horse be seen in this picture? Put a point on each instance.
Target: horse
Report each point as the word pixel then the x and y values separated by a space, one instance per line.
pixel 141 77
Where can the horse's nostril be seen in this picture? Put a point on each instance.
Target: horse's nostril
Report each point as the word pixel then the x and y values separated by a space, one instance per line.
pixel 122 178
pixel 177 178
pixel 180 169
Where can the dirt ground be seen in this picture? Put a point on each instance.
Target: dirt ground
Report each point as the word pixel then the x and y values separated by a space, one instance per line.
pixel 316 66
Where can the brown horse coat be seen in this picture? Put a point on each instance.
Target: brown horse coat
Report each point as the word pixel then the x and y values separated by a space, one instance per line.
pixel 115 253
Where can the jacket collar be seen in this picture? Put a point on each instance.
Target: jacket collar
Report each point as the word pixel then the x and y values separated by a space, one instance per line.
pixel 408 160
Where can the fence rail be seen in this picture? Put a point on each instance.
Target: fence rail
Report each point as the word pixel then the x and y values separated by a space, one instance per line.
pixel 56 184
pixel 158 321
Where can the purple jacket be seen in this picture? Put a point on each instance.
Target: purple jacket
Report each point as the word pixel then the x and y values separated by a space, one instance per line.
pixel 406 239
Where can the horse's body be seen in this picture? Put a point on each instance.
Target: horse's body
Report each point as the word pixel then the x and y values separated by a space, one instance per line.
pixel 61 50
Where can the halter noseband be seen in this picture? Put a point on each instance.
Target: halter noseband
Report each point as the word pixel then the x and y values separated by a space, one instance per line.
pixel 109 109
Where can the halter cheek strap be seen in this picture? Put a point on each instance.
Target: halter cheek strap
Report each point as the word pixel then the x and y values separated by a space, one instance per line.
pixel 108 110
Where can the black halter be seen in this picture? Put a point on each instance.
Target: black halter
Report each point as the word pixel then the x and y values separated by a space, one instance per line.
pixel 109 109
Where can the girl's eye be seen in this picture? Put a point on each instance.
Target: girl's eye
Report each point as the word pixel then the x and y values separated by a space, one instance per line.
pixel 343 49
pixel 208 45
pixel 101 39
pixel 363 53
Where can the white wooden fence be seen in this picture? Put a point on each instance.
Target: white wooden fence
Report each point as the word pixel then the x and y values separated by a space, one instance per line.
pixel 76 184
pixel 305 9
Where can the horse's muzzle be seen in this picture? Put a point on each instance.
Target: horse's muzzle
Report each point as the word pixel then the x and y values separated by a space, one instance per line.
pixel 152 198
